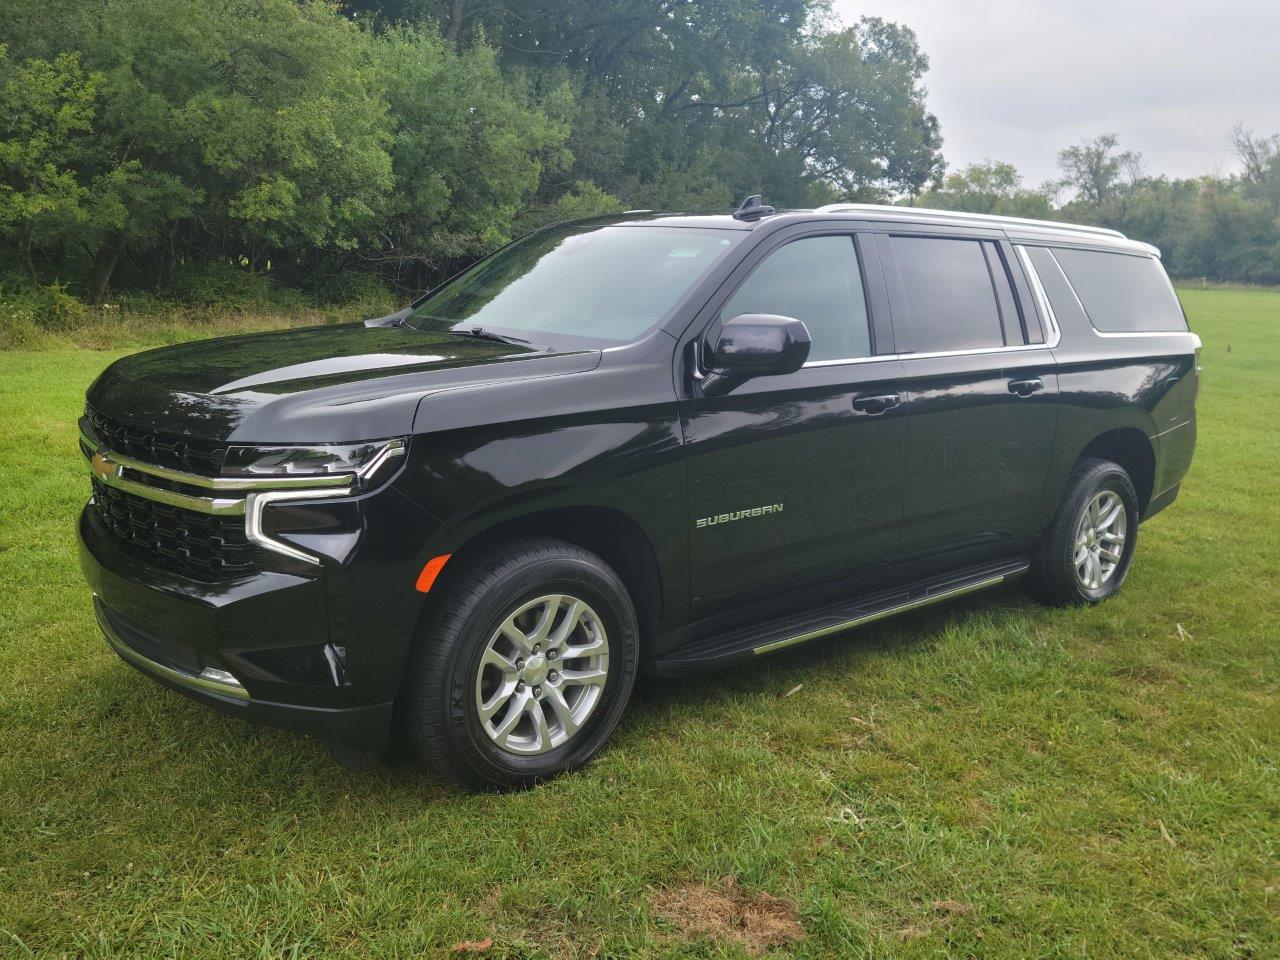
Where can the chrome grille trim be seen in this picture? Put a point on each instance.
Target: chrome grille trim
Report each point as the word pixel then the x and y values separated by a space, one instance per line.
pixel 112 469
pixel 209 483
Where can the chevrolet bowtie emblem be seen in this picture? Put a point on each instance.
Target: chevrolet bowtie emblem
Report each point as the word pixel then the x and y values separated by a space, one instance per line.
pixel 102 468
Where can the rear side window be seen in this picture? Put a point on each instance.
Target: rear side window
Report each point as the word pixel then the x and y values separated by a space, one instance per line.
pixel 816 280
pixel 951 293
pixel 1122 293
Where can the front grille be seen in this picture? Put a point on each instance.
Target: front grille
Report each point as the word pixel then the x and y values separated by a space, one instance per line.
pixel 162 449
pixel 192 544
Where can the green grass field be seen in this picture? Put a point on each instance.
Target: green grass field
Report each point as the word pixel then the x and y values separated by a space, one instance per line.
pixel 985 778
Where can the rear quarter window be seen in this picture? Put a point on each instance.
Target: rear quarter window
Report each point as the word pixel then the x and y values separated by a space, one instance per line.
pixel 1122 293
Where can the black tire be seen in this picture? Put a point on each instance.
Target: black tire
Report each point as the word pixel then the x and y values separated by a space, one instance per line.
pixel 440 717
pixel 1053 578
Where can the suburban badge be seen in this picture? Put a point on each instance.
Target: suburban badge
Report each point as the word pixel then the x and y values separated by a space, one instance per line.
pixel 738 515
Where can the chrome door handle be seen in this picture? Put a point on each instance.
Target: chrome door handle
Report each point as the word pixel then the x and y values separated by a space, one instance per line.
pixel 875 404
pixel 1025 388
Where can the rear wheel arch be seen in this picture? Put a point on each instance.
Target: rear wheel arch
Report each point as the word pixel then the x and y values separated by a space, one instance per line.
pixel 1130 448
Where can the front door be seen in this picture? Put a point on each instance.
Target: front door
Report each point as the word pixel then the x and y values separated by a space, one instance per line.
pixel 797 479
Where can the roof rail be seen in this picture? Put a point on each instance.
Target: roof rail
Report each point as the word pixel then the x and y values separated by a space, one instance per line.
pixel 990 218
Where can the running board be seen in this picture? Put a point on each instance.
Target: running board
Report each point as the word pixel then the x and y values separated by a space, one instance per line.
pixel 757 640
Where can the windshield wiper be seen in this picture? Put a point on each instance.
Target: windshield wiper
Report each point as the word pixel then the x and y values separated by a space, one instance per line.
pixel 480 333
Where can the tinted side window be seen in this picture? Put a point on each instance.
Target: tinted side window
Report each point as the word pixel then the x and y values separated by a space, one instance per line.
pixel 816 280
pixel 1122 293
pixel 950 294
pixel 1066 308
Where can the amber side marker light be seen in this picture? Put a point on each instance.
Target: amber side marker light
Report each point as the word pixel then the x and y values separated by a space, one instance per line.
pixel 432 570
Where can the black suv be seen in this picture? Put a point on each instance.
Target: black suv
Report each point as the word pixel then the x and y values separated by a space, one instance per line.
pixel 646 442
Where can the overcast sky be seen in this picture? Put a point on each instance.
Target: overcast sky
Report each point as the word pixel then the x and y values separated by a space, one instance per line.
pixel 1017 80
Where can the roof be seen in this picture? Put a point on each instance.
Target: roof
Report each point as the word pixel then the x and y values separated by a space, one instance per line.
pixel 1023 226
pixel 1017 227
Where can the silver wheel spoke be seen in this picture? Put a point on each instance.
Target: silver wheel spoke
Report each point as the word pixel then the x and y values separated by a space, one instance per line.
pixel 577 653
pixel 563 712
pixel 592 678
pixel 526 701
pixel 516 635
pixel 512 718
pixel 541 732
pixel 1110 517
pixel 569 623
pixel 1109 556
pixel 493 658
pixel 503 694
pixel 545 619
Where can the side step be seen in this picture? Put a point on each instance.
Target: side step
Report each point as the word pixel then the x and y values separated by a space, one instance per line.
pixel 756 640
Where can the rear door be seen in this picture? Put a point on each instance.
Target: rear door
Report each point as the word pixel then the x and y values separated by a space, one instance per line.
pixel 982 392
pixel 796 479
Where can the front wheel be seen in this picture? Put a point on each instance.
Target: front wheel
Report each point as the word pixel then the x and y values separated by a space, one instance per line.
pixel 525 669
pixel 1088 548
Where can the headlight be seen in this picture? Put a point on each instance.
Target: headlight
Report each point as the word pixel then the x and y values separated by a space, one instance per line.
pixel 365 460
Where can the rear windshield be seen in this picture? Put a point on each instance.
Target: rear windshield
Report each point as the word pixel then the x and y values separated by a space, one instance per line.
pixel 577 286
pixel 1122 293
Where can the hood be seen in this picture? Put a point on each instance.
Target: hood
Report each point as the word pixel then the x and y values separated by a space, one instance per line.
pixel 331 384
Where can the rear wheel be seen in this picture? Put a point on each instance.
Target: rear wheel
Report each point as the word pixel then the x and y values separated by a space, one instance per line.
pixel 525 669
pixel 1088 548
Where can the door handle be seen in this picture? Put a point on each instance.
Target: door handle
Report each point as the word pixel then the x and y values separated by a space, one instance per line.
pixel 1025 388
pixel 875 404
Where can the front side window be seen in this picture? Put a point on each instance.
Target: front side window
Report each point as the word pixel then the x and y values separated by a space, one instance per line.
pixel 577 286
pixel 815 280
pixel 1122 293
pixel 951 293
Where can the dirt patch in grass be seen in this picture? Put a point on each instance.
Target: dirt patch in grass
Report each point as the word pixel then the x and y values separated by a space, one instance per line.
pixel 756 920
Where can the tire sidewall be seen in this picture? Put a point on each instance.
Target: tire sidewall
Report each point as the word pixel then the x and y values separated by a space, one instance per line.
pixel 1107 477
pixel 463 725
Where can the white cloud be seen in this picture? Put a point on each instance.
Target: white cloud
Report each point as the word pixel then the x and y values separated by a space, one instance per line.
pixel 1017 80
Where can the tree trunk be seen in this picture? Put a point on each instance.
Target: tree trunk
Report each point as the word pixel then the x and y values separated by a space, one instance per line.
pixel 25 246
pixel 104 264
pixel 455 23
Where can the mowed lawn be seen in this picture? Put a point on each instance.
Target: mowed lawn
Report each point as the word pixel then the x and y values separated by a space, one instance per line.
pixel 985 778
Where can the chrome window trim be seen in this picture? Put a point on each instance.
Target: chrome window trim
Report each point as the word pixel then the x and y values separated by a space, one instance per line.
pixel 1147 333
pixel 1017 348
pixel 874 358
pixel 1109 334
pixel 1054 334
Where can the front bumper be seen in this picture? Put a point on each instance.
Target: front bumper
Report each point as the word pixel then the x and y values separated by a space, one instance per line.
pixel 354 727
pixel 259 648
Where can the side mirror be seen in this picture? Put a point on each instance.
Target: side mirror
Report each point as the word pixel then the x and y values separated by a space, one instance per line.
pixel 755 345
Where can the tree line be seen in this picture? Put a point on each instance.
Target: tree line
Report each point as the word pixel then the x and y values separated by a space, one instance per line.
pixel 1219 228
pixel 152 144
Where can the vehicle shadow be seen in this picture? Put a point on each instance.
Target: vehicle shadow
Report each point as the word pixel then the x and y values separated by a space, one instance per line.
pixel 164 749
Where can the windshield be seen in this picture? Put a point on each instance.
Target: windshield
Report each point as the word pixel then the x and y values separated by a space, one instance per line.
pixel 576 286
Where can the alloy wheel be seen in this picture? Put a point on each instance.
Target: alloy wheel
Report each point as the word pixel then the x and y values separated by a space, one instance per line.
pixel 1100 539
pixel 542 674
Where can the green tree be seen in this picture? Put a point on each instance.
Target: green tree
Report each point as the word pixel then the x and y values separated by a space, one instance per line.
pixel 469 148
pixel 988 187
pixel 46 108
pixel 1097 170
